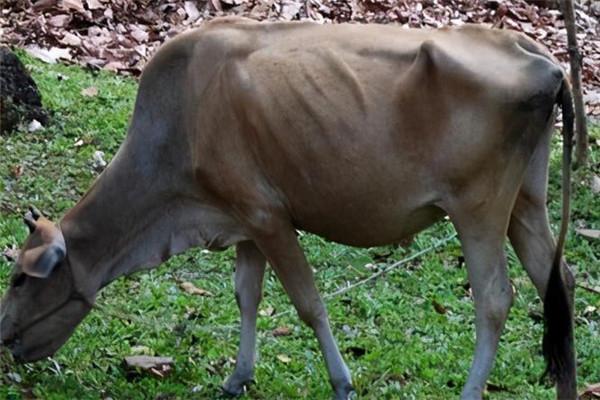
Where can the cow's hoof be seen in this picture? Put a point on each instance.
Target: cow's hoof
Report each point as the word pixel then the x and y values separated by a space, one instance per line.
pixel 345 392
pixel 236 387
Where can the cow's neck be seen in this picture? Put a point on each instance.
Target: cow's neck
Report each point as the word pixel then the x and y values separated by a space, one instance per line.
pixel 135 216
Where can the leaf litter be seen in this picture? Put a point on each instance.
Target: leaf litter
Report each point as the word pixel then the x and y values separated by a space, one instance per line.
pixel 121 35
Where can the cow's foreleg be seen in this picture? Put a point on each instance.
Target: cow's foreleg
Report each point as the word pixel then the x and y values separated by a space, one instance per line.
pixel 287 260
pixel 483 247
pixel 249 273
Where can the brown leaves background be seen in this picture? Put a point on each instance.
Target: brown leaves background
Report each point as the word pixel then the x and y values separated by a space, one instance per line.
pixel 121 35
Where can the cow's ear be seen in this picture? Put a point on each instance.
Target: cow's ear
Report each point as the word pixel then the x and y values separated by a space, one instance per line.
pixel 44 249
pixel 40 262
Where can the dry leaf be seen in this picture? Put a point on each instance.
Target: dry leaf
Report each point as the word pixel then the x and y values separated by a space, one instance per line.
pixel 191 289
pixel 191 10
pixel 94 4
pixel 16 171
pixel 139 34
pixel 284 359
pixel 440 309
pixel 589 310
pixel 158 366
pixel 11 253
pixel 289 9
pixel 282 331
pixel 43 5
pixel 589 233
pixel 92 91
pixel 267 311
pixel 70 39
pixel 59 20
pixel 50 55
pixel 590 392
pixel 114 66
pixel 72 5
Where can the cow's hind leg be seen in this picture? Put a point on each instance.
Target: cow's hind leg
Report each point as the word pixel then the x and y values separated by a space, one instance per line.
pixel 531 237
pixel 483 235
pixel 249 273
pixel 285 256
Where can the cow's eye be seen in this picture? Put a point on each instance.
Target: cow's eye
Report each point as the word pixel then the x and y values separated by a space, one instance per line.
pixel 18 279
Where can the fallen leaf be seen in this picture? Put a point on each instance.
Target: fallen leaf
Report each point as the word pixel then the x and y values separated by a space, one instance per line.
pixel 589 233
pixel 440 309
pixel 267 311
pixel 59 20
pixel 70 39
pixel 191 10
pixel 72 5
pixel 157 366
pixel 589 310
pixel 16 171
pixel 11 253
pixel 94 4
pixel 282 331
pixel 114 66
pixel 92 91
pixel 43 5
pixel 284 359
pixel 290 9
pixel 50 55
pixel 14 376
pixel 590 392
pixel 139 34
pixel 191 289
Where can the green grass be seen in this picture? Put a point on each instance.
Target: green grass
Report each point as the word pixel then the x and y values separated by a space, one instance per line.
pixel 396 344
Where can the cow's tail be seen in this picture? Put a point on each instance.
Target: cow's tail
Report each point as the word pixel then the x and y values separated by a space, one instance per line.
pixel 558 347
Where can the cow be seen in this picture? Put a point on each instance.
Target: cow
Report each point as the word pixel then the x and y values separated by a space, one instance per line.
pixel 245 132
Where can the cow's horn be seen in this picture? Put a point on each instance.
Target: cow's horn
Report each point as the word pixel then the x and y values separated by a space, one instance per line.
pixel 35 212
pixel 29 221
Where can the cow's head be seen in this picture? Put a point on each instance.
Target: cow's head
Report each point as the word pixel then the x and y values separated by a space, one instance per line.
pixel 42 306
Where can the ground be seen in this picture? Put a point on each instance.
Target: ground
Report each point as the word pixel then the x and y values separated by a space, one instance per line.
pixel 406 335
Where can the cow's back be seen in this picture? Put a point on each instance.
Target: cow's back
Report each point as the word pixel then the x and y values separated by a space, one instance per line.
pixel 331 122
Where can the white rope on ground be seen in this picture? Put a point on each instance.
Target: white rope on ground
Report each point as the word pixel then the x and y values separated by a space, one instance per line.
pixel 379 273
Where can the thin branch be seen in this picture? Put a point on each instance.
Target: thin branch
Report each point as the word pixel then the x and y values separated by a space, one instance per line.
pixel 575 62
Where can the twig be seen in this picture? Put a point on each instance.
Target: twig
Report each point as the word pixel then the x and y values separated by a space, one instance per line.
pixel 589 288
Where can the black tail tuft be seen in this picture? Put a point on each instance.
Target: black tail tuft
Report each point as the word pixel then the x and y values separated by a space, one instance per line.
pixel 558 344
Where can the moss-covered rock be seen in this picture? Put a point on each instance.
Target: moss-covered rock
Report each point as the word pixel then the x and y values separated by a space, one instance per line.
pixel 20 100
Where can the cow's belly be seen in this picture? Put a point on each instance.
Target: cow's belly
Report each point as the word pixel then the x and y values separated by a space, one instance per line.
pixel 367 229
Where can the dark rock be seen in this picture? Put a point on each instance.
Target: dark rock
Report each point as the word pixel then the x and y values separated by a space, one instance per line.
pixel 20 99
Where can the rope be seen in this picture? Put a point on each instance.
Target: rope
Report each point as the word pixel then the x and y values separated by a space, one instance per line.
pixel 379 273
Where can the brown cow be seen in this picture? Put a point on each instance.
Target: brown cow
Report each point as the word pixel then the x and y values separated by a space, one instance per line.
pixel 244 132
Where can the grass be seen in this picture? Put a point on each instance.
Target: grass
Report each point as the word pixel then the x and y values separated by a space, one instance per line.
pixel 395 342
